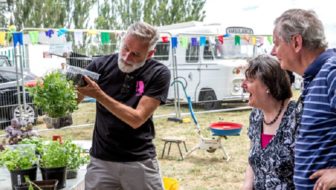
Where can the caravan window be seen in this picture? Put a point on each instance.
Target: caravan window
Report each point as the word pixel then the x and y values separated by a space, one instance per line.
pixel 162 51
pixel 192 53
pixel 228 50
pixel 208 51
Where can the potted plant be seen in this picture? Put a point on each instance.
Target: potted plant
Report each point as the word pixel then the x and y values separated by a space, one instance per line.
pixel 56 96
pixel 76 158
pixel 53 162
pixel 35 140
pixel 19 130
pixel 21 161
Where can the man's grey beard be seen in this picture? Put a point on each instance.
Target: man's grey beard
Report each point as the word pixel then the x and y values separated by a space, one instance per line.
pixel 128 68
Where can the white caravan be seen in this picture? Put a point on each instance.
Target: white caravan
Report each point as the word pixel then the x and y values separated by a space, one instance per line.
pixel 213 72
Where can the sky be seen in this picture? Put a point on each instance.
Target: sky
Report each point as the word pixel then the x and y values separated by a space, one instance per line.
pixel 260 14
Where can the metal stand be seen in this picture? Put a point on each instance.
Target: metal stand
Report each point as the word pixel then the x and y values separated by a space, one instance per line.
pixel 210 145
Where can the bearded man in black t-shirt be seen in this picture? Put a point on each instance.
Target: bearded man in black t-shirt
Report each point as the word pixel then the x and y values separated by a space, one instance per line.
pixel 130 88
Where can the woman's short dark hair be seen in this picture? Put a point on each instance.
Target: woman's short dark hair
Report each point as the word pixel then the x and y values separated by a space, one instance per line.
pixel 267 69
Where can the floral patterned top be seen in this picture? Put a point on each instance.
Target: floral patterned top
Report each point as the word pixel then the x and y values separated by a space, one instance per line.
pixel 273 166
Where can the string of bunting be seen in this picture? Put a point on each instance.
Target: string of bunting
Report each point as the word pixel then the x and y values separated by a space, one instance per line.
pixel 183 41
pixel 34 35
pixel 105 37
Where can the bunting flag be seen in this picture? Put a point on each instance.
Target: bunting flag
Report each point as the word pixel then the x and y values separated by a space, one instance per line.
pixel 174 42
pixel 34 37
pixel 49 33
pixel 3 38
pixel 202 41
pixel 78 37
pixel 12 28
pixel 9 35
pixel 246 38
pixel 17 38
pixel 254 40
pixel 221 39
pixel 237 40
pixel 261 40
pixel 270 39
pixel 61 32
pixel 194 41
pixel 184 41
pixel 165 39
pixel 92 32
pixel 105 38
pixel 226 35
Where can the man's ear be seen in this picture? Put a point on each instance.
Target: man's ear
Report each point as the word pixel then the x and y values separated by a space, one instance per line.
pixel 151 53
pixel 297 42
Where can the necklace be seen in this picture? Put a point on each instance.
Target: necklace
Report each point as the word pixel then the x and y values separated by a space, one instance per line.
pixel 276 117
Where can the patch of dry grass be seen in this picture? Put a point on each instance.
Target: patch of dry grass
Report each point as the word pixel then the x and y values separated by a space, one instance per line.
pixel 201 170
pixel 204 170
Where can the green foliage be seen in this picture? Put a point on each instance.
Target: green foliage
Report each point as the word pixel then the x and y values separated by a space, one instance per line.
pixel 107 15
pixel 175 11
pixel 18 157
pixel 55 95
pixel 36 13
pixel 48 13
pixel 80 14
pixel 53 155
pixel 119 14
pixel 112 14
pixel 37 141
pixel 76 155
pixel 4 8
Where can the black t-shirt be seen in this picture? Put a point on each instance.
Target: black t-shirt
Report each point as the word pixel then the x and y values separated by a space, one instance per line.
pixel 114 140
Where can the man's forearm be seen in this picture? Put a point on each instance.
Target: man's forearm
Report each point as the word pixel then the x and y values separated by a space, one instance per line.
pixel 133 117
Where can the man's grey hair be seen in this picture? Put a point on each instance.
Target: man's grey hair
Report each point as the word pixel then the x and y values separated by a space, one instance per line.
pixel 305 23
pixel 145 32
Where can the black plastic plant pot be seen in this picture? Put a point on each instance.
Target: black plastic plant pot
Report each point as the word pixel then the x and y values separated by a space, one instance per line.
pixel 55 173
pixel 72 173
pixel 23 186
pixel 17 176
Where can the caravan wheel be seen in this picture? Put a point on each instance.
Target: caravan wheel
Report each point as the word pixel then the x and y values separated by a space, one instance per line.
pixel 29 114
pixel 209 100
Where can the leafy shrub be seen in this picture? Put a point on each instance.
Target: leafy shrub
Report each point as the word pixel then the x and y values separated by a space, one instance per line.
pixel 18 157
pixel 76 155
pixel 55 95
pixel 53 155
